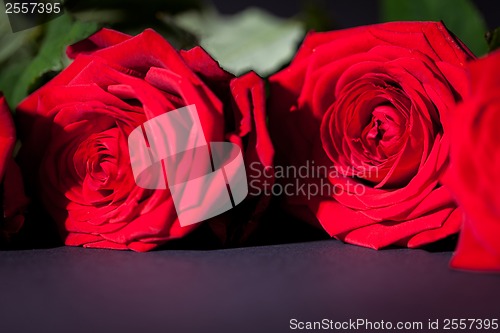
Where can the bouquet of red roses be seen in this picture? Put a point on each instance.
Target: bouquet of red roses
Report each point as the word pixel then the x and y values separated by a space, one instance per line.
pixel 380 135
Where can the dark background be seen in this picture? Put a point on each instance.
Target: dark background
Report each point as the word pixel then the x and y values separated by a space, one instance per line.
pixel 346 13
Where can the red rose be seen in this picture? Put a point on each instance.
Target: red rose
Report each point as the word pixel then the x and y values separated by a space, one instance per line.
pixel 474 163
pixel 368 110
pixel 12 197
pixel 75 130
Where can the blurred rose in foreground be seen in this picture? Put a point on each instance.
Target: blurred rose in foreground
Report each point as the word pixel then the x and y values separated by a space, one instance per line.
pixel 12 196
pixel 474 168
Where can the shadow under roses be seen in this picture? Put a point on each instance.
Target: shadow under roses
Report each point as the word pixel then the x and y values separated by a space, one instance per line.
pixel 39 230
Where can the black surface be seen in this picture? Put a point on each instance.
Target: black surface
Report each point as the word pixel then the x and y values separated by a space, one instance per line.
pixel 255 289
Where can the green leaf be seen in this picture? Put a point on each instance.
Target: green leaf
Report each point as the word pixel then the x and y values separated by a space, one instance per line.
pixel 460 16
pixel 9 75
pixel 493 39
pixel 250 40
pixel 17 48
pixel 51 57
pixel 12 42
